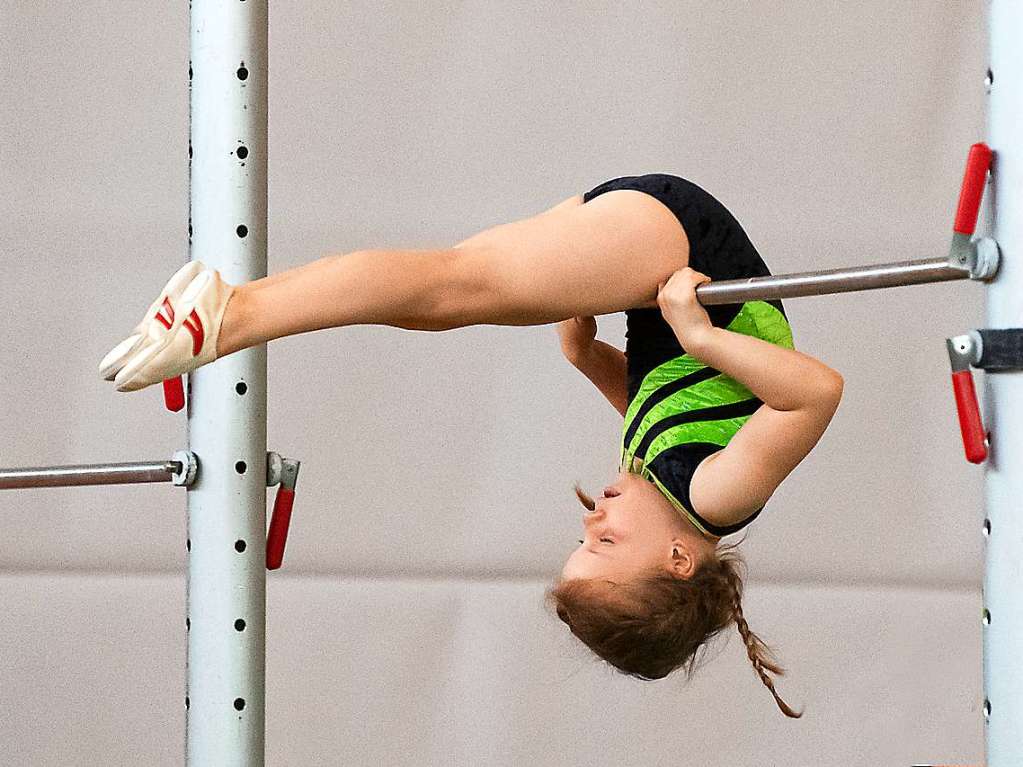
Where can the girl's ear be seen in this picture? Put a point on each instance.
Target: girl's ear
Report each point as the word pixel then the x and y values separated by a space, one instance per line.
pixel 683 563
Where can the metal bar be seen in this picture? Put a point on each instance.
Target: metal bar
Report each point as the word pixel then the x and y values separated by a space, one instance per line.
pixel 89 474
pixel 828 281
pixel 226 585
pixel 1002 624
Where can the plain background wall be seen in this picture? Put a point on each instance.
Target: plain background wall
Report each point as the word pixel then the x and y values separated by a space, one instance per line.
pixel 435 502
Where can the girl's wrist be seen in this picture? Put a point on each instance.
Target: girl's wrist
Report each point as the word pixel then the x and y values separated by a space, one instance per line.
pixel 695 339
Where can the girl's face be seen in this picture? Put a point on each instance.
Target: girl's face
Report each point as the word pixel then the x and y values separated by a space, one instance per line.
pixel 632 530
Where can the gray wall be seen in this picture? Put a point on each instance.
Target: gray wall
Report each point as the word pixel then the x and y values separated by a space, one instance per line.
pixel 407 625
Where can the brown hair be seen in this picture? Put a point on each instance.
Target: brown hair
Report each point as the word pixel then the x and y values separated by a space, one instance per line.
pixel 663 620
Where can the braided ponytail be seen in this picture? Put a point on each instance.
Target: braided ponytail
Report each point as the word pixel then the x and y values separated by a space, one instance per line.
pixel 759 653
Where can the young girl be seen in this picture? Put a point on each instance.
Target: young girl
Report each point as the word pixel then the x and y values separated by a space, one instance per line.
pixel 719 407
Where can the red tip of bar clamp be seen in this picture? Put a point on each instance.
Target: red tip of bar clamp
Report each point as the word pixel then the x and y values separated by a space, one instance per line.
pixel 277 536
pixel 280 521
pixel 970 425
pixel 174 394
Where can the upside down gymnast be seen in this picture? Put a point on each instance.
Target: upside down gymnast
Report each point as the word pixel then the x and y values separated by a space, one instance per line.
pixel 718 405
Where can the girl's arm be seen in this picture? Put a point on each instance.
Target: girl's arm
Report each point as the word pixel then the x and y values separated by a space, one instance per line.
pixel 605 366
pixel 785 379
pixel 800 395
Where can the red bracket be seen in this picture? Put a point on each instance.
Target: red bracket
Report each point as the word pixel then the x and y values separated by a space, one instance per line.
pixel 964 351
pixel 280 520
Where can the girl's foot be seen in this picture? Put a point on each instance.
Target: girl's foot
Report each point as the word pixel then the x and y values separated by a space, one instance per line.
pixel 179 335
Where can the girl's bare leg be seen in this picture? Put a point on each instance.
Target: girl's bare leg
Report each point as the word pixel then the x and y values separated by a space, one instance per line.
pixel 573 260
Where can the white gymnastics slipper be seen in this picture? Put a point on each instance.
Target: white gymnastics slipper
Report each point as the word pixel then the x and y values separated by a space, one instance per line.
pixel 189 342
pixel 117 356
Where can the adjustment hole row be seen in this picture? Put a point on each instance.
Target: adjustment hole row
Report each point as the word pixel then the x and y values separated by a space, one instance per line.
pixel 239 703
pixel 239 625
pixel 241 230
pixel 243 72
pixel 239 545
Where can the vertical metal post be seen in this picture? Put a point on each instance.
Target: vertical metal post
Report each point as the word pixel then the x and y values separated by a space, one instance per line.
pixel 227 400
pixel 1003 590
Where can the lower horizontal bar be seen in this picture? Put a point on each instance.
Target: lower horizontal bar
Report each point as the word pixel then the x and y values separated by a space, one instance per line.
pixel 91 474
pixel 830 281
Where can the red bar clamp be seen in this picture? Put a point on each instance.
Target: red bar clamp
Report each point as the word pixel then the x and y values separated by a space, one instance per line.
pixel 994 351
pixel 964 351
pixel 980 256
pixel 284 471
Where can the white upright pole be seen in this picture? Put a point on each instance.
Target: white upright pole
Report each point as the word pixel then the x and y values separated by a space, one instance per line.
pixel 227 400
pixel 1003 526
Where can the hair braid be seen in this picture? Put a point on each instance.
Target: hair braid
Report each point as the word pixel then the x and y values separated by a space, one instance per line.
pixel 758 653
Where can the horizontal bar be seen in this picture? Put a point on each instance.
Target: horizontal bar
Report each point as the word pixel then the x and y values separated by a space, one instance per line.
pixel 91 474
pixel 830 281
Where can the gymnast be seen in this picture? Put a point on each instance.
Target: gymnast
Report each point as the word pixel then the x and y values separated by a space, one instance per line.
pixel 719 407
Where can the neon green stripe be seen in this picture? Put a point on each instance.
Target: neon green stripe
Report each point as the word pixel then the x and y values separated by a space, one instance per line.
pixel 719 390
pixel 761 320
pixel 715 432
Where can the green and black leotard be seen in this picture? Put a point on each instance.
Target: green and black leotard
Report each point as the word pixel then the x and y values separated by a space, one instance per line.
pixel 680 410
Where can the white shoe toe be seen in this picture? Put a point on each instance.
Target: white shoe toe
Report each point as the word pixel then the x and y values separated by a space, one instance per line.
pixel 117 356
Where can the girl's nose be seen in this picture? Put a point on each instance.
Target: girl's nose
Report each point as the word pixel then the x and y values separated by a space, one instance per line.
pixel 591 517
